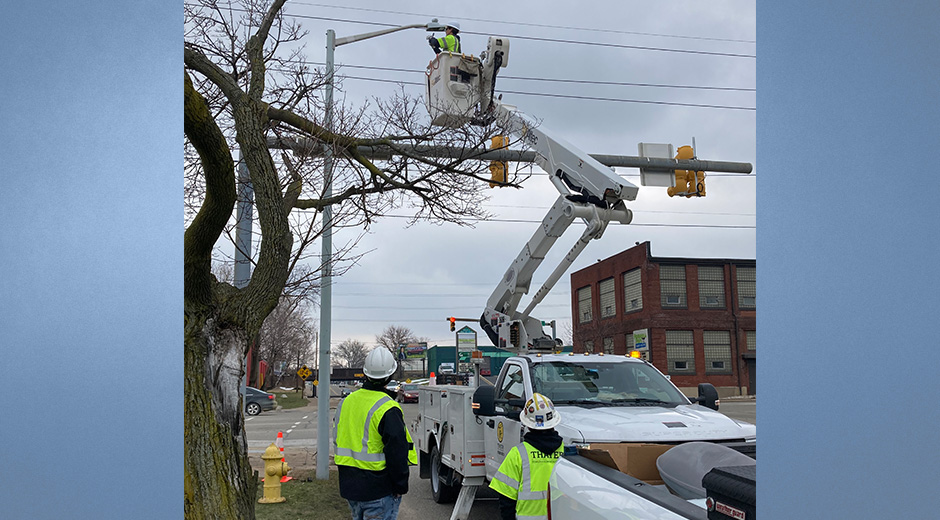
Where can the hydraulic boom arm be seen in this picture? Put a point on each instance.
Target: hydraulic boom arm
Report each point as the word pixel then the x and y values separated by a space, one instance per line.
pixel 589 191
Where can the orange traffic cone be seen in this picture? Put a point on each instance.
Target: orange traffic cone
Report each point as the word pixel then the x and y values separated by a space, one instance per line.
pixel 280 446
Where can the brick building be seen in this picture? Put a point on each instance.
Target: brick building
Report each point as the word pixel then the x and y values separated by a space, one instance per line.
pixel 699 314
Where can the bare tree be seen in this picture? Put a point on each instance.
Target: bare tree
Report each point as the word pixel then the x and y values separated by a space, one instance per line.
pixel 287 335
pixel 353 352
pixel 392 338
pixel 245 82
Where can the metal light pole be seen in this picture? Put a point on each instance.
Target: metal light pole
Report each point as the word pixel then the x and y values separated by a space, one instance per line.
pixel 326 284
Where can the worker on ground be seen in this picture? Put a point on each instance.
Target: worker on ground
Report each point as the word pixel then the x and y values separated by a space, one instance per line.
pixel 372 446
pixel 522 478
pixel 450 42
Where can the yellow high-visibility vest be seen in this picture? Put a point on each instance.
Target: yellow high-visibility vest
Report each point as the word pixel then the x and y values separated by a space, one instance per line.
pixel 356 438
pixel 449 43
pixel 523 477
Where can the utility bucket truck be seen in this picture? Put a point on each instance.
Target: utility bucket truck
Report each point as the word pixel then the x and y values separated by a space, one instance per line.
pixel 462 433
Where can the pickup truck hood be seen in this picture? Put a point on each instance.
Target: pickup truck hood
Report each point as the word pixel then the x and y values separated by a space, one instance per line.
pixel 649 424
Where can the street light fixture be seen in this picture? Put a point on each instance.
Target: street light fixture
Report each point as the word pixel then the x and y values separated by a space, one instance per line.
pixel 326 292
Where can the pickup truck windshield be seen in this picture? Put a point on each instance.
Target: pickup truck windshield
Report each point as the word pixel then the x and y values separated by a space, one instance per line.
pixel 586 383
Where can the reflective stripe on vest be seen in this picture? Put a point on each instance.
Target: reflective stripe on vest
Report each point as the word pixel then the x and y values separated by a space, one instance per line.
pixel 349 450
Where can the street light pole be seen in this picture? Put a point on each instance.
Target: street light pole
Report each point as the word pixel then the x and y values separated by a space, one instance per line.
pixel 326 283
pixel 326 277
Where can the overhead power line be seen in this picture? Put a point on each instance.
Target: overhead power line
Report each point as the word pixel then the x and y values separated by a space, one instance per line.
pixel 534 38
pixel 632 224
pixel 552 80
pixel 569 96
pixel 529 24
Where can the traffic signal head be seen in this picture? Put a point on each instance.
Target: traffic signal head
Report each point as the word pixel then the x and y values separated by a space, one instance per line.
pixel 498 169
pixel 453 323
pixel 688 182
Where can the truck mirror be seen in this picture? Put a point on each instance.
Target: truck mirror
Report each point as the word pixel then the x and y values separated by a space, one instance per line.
pixel 707 396
pixel 484 401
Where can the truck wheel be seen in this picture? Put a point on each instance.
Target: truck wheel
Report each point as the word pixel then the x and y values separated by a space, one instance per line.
pixel 442 493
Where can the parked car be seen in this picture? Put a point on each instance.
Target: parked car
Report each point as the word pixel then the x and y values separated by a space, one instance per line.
pixel 258 400
pixel 393 386
pixel 408 393
pixel 346 390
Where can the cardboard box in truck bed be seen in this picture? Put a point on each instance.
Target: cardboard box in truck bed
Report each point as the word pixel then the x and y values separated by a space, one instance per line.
pixel 635 459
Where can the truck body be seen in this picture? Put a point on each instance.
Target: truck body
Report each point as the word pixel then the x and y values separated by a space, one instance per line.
pixel 583 489
pixel 692 480
pixel 462 434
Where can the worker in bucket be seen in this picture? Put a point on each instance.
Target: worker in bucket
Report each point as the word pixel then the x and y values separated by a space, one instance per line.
pixel 450 41
pixel 522 478
pixel 372 446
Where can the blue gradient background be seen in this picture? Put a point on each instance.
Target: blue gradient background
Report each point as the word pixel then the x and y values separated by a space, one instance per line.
pixel 91 249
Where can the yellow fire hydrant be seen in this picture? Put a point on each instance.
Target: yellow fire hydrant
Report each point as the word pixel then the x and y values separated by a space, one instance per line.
pixel 274 469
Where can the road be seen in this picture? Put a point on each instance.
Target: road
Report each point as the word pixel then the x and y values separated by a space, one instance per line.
pixel 300 447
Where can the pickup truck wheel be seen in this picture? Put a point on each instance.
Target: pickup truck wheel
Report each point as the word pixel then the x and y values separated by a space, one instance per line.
pixel 442 493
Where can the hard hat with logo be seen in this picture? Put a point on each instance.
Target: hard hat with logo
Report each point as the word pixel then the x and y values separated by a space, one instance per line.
pixel 455 25
pixel 539 413
pixel 379 364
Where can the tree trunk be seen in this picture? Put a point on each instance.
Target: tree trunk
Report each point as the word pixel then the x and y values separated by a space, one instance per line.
pixel 218 481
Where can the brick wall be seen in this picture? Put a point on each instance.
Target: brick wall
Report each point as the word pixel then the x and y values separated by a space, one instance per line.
pixel 658 320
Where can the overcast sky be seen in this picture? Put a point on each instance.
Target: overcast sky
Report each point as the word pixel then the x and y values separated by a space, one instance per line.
pixel 416 277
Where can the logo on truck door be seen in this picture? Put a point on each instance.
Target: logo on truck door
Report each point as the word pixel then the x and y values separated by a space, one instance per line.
pixel 499 432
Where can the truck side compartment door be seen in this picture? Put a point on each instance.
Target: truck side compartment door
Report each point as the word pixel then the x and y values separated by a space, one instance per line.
pixel 501 433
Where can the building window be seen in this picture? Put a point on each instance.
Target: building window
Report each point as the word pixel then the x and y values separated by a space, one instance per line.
pixel 717 352
pixel 608 345
pixel 608 300
pixel 751 340
pixel 632 291
pixel 589 346
pixel 711 287
pixel 747 287
pixel 680 352
pixel 672 286
pixel 584 304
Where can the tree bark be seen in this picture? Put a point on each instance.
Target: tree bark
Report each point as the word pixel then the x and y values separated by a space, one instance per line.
pixel 218 481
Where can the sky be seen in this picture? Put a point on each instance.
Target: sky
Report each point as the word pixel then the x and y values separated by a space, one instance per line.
pixel 418 276
pixel 847 233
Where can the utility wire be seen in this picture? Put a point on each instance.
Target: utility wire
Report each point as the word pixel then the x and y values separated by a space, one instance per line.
pixel 568 96
pixel 633 224
pixel 533 38
pixel 527 24
pixel 553 80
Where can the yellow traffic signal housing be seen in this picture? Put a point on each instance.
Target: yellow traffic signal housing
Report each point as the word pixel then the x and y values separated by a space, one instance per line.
pixel 453 323
pixel 688 182
pixel 498 169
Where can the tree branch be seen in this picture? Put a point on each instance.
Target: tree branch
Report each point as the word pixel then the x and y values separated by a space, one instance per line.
pixel 219 170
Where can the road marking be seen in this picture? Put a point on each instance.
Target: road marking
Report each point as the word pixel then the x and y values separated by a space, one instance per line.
pixel 305 417
pixel 288 431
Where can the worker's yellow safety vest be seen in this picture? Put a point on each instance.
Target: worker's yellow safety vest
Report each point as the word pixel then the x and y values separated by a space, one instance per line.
pixel 449 43
pixel 523 477
pixel 356 438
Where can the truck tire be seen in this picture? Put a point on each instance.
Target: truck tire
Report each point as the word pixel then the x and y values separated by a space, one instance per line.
pixel 441 492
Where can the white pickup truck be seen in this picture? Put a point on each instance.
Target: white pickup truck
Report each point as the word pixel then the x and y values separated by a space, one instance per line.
pixel 462 434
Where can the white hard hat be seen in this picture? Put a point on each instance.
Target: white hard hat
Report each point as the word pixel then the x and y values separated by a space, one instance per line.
pixel 455 25
pixel 539 413
pixel 379 364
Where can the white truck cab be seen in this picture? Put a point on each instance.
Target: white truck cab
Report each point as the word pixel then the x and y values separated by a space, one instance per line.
pixel 601 398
